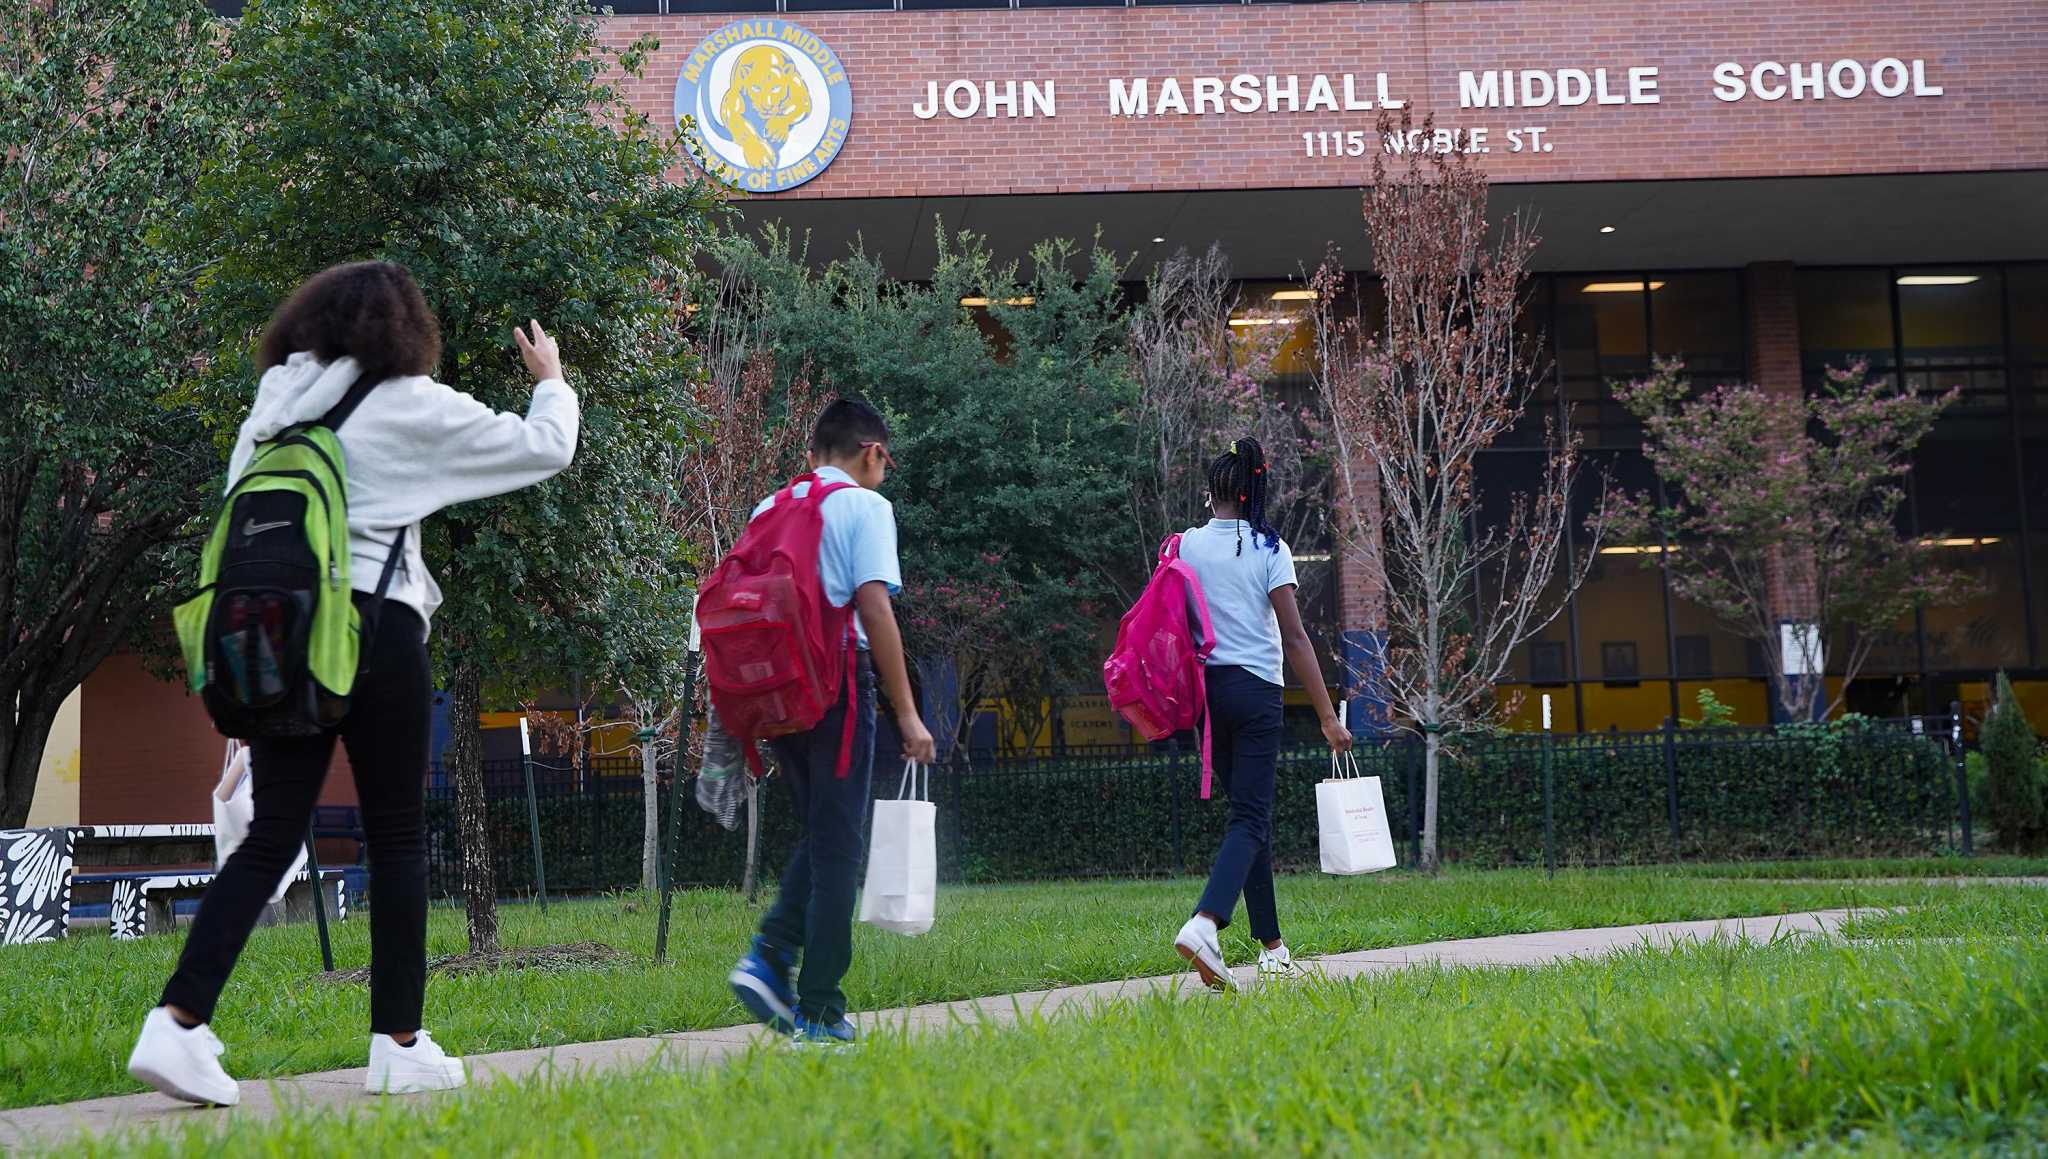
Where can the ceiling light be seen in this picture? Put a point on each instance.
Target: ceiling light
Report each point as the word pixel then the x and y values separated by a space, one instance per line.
pixel 1158 241
pixel 1617 287
pixel 1294 296
pixel 1626 550
pixel 1261 321
pixel 1025 301
pixel 1937 279
pixel 1964 541
pixel 1606 229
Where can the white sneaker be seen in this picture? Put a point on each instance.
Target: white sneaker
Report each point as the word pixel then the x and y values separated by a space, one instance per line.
pixel 184 1064
pixel 1198 943
pixel 1277 964
pixel 411 1070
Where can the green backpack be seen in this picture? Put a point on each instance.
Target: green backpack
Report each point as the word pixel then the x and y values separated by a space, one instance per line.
pixel 272 640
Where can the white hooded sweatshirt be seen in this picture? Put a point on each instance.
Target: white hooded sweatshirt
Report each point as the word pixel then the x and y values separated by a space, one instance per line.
pixel 413 447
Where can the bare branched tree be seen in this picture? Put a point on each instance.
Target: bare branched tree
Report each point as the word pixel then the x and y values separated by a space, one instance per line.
pixel 758 434
pixel 1203 381
pixel 1411 408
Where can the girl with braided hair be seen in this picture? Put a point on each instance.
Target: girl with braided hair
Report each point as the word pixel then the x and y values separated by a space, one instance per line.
pixel 1247 575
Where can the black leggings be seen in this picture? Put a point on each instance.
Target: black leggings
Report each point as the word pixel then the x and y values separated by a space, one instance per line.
pixel 387 735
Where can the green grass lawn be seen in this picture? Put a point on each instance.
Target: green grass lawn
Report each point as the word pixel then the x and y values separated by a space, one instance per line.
pixel 1892 1048
pixel 68 1011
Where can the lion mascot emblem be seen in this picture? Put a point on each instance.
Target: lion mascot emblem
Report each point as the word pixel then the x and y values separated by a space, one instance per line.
pixel 766 99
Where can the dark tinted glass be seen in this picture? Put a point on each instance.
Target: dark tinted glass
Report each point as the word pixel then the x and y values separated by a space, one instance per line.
pixel 1951 317
pixel 1698 317
pixel 1844 315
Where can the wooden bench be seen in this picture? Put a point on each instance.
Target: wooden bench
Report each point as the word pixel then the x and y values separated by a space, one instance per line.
pixel 145 902
pixel 340 823
pixel 142 871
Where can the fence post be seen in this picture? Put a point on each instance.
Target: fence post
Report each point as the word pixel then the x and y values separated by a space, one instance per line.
pixel 1671 778
pixel 1414 807
pixel 540 873
pixel 1549 798
pixel 594 801
pixel 1955 732
pixel 319 901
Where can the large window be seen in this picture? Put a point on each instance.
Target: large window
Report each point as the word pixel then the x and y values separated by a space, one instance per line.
pixel 1619 654
pixel 1629 649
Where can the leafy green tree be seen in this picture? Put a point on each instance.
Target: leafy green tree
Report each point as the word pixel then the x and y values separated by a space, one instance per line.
pixel 2015 796
pixel 104 460
pixel 1010 394
pixel 486 147
pixel 1767 493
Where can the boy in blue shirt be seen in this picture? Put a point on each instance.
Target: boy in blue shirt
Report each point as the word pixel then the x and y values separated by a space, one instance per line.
pixel 813 913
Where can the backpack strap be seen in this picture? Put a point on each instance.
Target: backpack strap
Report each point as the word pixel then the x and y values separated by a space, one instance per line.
pixel 1169 557
pixel 1208 645
pixel 376 611
pixel 358 391
pixel 852 695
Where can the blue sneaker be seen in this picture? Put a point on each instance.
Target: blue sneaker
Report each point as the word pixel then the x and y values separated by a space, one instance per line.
pixel 761 982
pixel 836 1033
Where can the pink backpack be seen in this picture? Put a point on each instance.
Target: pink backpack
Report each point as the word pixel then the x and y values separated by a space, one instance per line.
pixel 1155 675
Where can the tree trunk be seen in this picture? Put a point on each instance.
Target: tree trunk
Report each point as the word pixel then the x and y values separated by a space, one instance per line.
pixel 465 761
pixel 1432 756
pixel 650 828
pixel 24 732
pixel 750 879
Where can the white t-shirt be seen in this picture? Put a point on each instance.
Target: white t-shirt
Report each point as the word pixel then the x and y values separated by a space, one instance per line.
pixel 1239 587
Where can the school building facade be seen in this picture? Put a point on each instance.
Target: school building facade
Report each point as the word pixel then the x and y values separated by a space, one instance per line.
pixel 1767 187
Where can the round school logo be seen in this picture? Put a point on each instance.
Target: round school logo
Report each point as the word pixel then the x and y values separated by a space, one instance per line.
pixel 765 104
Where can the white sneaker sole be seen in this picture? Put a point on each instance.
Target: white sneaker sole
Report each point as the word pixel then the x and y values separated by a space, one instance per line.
pixel 1214 974
pixel 162 1083
pixel 418 1082
pixel 776 1007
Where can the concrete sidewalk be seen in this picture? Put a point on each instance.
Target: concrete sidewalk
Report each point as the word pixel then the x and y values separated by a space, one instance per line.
pixel 32 1127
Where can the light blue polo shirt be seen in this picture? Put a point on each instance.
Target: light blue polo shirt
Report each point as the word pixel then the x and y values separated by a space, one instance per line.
pixel 1239 589
pixel 859 544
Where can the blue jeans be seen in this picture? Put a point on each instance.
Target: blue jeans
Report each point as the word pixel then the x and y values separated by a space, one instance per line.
pixel 1246 729
pixel 813 913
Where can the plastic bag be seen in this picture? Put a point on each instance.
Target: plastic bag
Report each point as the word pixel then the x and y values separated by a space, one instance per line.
pixel 720 787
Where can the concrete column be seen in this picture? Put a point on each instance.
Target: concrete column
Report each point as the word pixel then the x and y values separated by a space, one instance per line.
pixel 1771 291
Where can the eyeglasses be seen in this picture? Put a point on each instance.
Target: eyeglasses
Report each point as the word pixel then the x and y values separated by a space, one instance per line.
pixel 886 459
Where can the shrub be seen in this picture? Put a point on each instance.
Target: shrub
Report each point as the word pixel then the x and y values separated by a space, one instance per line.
pixel 2013 789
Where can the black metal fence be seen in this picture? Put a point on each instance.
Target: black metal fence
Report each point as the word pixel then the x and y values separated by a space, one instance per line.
pixel 1615 798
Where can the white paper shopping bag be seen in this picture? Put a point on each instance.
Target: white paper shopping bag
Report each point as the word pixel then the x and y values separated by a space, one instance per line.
pixel 901 894
pixel 1351 820
pixel 234 808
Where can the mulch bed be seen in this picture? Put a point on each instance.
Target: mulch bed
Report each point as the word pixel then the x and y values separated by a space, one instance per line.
pixel 574 956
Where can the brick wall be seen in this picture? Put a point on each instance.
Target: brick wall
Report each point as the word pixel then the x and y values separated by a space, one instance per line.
pixel 148 753
pixel 1771 293
pixel 1988 56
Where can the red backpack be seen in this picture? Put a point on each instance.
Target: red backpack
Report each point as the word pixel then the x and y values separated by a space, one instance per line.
pixel 775 649
pixel 1155 675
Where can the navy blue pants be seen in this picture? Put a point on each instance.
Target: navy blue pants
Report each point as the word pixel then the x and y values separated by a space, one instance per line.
pixel 1246 729
pixel 813 913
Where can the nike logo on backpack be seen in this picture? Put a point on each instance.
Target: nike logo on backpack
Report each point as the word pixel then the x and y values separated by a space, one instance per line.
pixel 251 528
